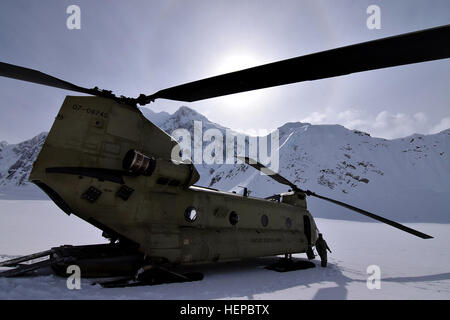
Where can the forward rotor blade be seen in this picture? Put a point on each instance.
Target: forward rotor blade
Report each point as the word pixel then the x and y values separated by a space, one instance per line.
pixel 277 177
pixel 420 46
pixel 373 216
pixel 30 75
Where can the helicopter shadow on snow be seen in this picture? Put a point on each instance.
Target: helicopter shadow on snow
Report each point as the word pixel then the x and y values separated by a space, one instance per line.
pixel 249 277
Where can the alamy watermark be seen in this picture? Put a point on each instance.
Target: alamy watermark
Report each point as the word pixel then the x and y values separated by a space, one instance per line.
pixel 212 147
pixel 74 19
pixel 73 281
pixel 374 280
pixel 374 19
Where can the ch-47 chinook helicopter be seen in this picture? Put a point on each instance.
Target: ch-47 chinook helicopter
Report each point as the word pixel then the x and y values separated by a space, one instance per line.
pixel 104 162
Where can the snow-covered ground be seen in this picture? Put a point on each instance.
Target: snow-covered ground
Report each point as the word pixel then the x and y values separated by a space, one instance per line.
pixel 411 268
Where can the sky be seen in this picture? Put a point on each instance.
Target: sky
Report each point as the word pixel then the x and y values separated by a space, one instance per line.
pixel 135 46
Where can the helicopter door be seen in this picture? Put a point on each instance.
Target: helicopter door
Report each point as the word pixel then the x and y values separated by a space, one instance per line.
pixel 307 229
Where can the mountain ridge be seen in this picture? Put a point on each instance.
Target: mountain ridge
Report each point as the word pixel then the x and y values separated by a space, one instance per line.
pixel 408 175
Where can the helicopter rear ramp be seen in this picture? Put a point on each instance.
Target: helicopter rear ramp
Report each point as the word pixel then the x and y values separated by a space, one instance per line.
pixel 101 260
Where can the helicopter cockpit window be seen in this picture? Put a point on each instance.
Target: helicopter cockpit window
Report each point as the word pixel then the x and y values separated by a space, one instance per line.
pixel 264 220
pixel 190 214
pixel 234 218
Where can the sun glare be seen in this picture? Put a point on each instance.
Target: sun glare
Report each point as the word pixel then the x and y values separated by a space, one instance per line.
pixel 242 101
pixel 236 62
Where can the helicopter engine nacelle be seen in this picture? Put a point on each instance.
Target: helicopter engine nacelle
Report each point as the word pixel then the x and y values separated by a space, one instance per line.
pixel 294 198
pixel 166 171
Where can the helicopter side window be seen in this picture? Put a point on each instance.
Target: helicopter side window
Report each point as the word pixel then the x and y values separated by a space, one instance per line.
pixel 190 214
pixel 234 218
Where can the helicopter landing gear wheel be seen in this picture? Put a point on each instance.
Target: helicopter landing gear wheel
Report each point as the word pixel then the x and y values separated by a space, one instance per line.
pixel 289 264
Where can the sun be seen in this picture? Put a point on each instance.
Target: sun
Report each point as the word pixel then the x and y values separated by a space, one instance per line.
pixel 234 62
pixel 237 62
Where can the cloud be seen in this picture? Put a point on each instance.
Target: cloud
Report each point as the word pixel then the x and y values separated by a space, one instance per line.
pixel 316 118
pixel 399 124
pixel 384 124
pixel 442 125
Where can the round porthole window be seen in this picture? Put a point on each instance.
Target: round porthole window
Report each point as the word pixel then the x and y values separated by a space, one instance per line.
pixel 264 220
pixel 190 214
pixel 234 218
pixel 288 222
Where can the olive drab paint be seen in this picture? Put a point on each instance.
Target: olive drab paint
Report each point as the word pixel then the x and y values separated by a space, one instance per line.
pixel 106 163
pixel 81 168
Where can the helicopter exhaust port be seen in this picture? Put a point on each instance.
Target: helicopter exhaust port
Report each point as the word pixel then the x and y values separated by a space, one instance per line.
pixel 138 163
pixel 167 172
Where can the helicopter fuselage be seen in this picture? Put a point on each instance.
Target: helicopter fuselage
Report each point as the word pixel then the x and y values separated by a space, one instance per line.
pixel 81 168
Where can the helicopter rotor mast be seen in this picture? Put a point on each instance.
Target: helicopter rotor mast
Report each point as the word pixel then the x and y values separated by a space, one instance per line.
pixel 277 177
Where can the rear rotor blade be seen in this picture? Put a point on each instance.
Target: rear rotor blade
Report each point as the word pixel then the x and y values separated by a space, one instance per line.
pixel 420 46
pixel 30 75
pixel 277 177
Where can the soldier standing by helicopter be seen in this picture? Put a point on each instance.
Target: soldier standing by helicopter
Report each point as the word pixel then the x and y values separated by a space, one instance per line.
pixel 322 247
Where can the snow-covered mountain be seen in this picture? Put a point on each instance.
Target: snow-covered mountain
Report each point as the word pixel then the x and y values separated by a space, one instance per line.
pixel 16 161
pixel 184 118
pixel 407 179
